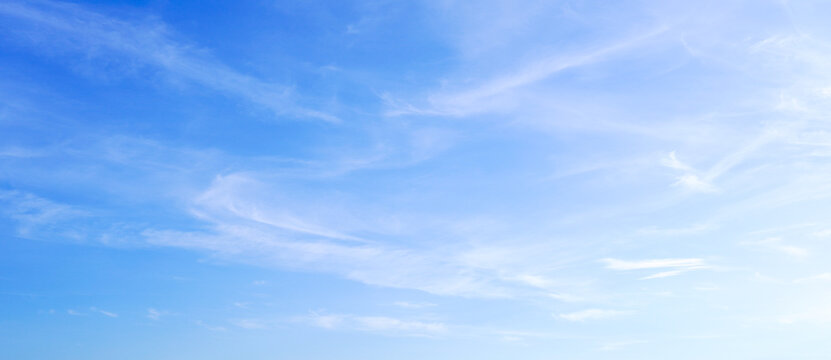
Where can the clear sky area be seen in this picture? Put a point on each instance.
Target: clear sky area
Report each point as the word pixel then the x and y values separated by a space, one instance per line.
pixel 433 179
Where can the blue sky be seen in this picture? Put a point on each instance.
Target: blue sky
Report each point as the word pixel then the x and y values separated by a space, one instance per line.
pixel 415 179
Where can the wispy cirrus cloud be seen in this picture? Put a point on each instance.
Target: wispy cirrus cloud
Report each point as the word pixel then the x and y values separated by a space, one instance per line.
pixel 483 97
pixel 202 324
pixel 778 245
pixel 377 324
pixel 619 345
pixel 814 315
pixel 35 214
pixel 243 225
pixel 397 205
pixel 616 264
pixel 703 181
pixel 92 310
pixel 674 266
pixel 145 42
pixel 818 278
pixel 250 324
pixel 592 314
pixel 104 312
pixel 413 305
pixel 155 314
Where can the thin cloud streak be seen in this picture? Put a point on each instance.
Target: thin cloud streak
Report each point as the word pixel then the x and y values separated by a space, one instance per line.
pixel 678 266
pixel 478 99
pixel 383 325
pixel 616 264
pixel 592 314
pixel 149 43
pixel 240 228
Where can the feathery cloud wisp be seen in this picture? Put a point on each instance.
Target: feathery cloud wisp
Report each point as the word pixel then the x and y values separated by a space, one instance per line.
pixel 378 324
pixel 678 266
pixel 592 314
pixel 148 43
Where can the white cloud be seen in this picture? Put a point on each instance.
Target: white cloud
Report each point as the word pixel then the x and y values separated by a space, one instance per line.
pixel 254 217
pixel 677 266
pixel 148 43
pixel 484 96
pixel 615 264
pixel 664 274
pixel 814 315
pixel 209 327
pixel 706 287
pixel 388 324
pixel 703 182
pixel 154 314
pixel 533 280
pixel 822 233
pixel 245 225
pixel 566 297
pixel 250 324
pixel 413 305
pixel 104 312
pixel 776 244
pixel 35 213
pixel 694 183
pixel 242 304
pixel 690 230
pixel 818 278
pixel 18 152
pixel 326 321
pixel 617 345
pixel 592 314
pixel 377 324
pixel 671 161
